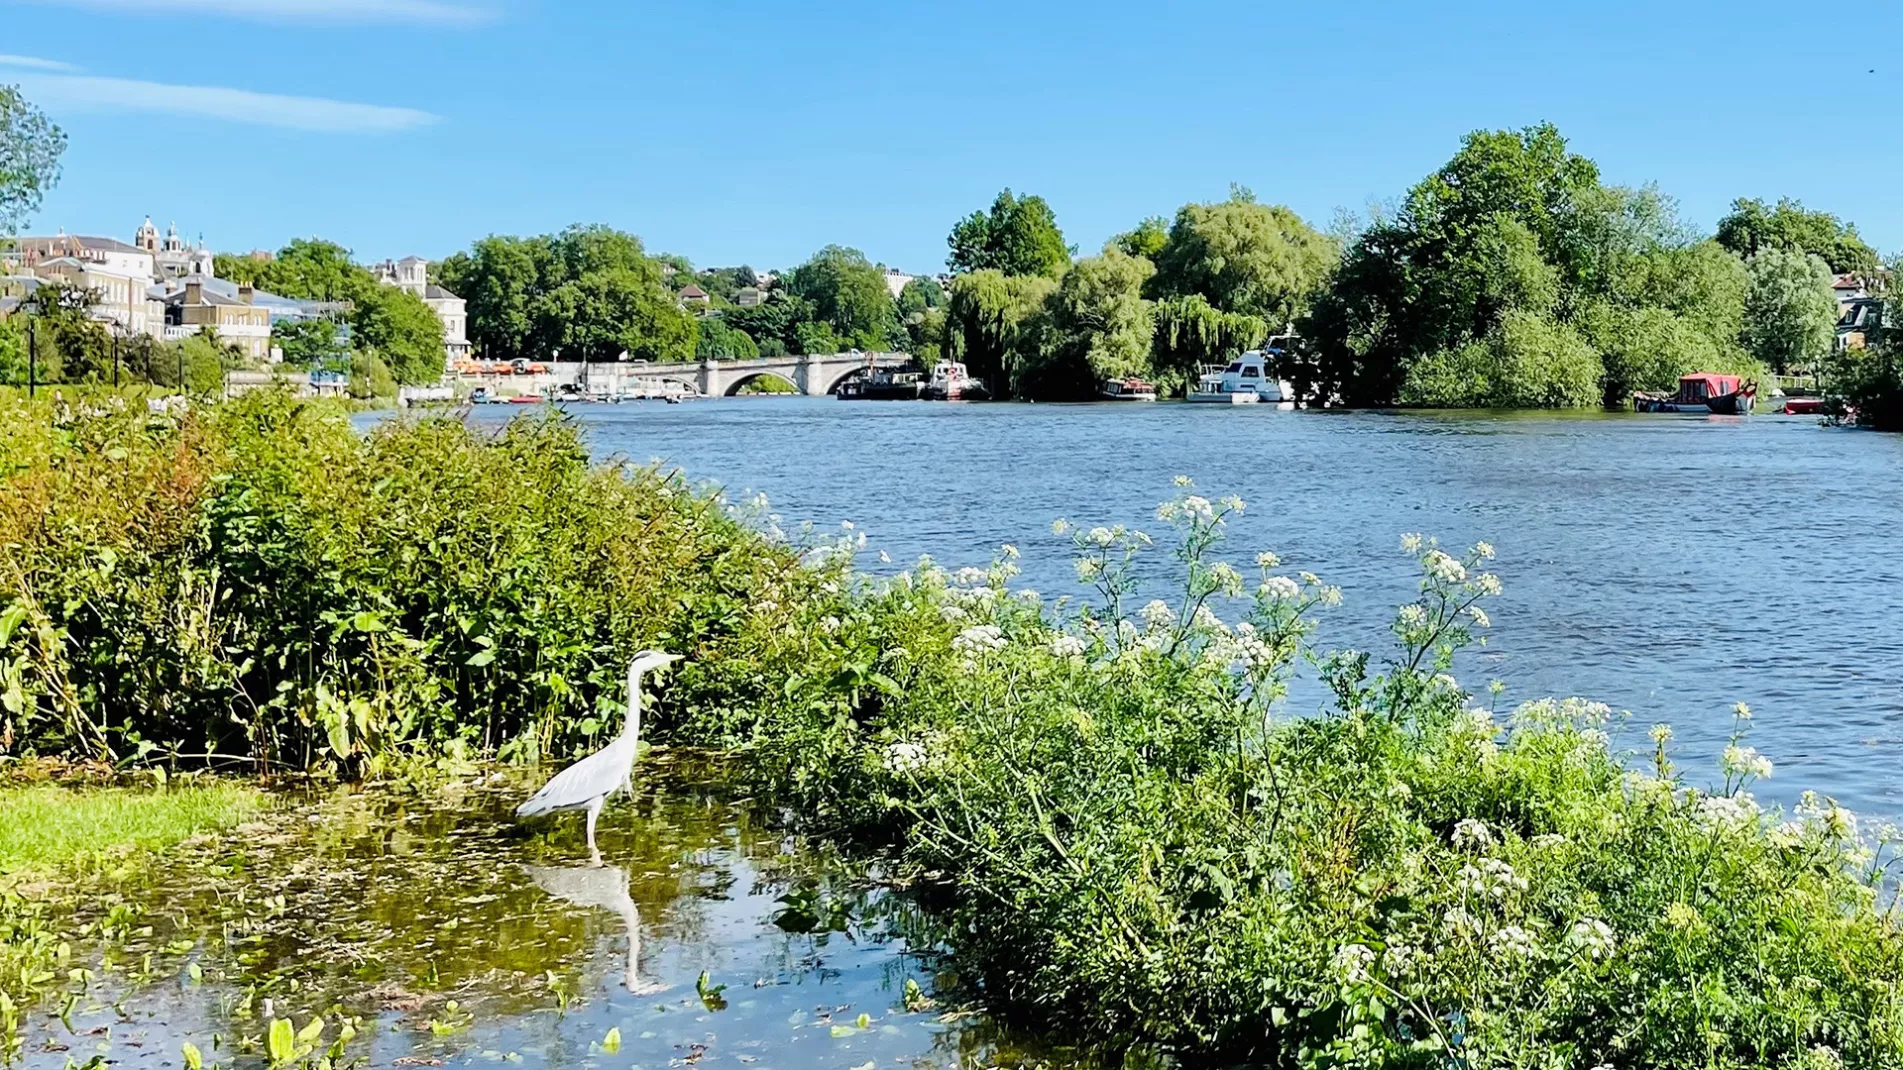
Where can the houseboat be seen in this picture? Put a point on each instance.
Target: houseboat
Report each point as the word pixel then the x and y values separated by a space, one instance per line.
pixel 1708 392
pixel 951 382
pixel 884 384
pixel 1130 389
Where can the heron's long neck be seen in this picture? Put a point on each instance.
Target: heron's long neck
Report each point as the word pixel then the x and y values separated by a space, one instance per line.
pixel 632 731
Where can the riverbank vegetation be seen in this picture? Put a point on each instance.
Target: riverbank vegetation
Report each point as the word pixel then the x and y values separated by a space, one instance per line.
pixel 1125 836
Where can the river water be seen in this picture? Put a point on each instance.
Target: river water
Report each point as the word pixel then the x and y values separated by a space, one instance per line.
pixel 1670 566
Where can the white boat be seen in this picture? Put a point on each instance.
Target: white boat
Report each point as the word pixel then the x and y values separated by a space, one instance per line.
pixel 1245 381
pixel 1131 389
pixel 951 382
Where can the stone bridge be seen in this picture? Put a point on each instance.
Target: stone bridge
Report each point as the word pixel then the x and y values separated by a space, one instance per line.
pixel 816 376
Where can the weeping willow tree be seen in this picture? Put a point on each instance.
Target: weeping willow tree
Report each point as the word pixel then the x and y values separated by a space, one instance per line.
pixel 996 324
pixel 1190 332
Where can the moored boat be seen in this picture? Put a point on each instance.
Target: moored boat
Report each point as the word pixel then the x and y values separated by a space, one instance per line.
pixel 1129 389
pixel 884 384
pixel 951 382
pixel 1244 381
pixel 1803 406
pixel 1702 392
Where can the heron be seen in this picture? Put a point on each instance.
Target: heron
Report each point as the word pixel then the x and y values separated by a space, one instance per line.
pixel 587 784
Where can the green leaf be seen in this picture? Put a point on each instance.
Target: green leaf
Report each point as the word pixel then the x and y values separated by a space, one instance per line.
pixel 194 1059
pixel 480 658
pixel 281 1042
pixel 612 1042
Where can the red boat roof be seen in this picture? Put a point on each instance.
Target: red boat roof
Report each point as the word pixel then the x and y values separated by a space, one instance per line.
pixel 1714 383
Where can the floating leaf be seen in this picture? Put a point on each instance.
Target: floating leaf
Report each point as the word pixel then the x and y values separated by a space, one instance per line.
pixel 281 1041
pixel 612 1042
pixel 194 1059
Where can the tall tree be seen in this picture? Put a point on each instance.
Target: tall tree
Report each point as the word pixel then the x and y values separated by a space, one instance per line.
pixel 397 326
pixel 1146 240
pixel 1244 257
pixel 1100 328
pixel 1192 333
pixel 1790 315
pixel 1019 236
pixel 849 294
pixel 30 148
pixel 996 323
pixel 1752 226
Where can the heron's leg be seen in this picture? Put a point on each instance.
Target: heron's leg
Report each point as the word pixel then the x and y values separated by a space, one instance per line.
pixel 594 811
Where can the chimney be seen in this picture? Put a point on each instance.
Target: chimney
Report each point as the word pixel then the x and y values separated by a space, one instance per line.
pixel 246 292
pixel 194 293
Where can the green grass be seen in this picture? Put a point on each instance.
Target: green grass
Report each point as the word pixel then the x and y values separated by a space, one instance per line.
pixel 43 825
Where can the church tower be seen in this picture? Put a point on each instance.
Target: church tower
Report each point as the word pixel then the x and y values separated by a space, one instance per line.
pixel 148 237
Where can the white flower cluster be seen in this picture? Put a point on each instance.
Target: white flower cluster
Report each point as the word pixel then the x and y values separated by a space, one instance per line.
pixel 979 639
pixel 1352 962
pixel 1592 938
pixel 1157 616
pixel 1067 646
pixel 1280 589
pixel 1444 567
pixel 1723 813
pixel 970 577
pixel 1835 821
pixel 1547 841
pixel 1250 650
pixel 1460 923
pixel 1491 879
pixel 905 757
pixel 1411 617
pixel 1206 620
pixel 1403 961
pixel 1513 942
pixel 1472 832
pixel 1196 506
pixel 1744 762
pixel 1224 577
pixel 1478 616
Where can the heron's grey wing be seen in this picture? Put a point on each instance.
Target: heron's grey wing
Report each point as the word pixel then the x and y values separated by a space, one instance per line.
pixel 576 786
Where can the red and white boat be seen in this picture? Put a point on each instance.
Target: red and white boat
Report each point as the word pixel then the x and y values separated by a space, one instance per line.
pixel 1709 392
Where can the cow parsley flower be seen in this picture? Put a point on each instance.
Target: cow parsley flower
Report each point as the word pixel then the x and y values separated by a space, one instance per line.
pixel 904 757
pixel 1067 646
pixel 1442 566
pixel 1744 762
pixel 1352 962
pixel 1412 543
pixel 1592 938
pixel 1661 734
pixel 1513 942
pixel 1402 960
pixel 1266 559
pixel 1157 615
pixel 1197 506
pixel 1472 832
pixel 1279 589
pixel 980 638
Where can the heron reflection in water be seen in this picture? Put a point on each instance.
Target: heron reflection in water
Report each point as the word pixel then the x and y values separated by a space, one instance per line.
pixel 605 887
pixel 587 784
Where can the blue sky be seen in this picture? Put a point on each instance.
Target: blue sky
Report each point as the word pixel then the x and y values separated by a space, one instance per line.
pixel 757 132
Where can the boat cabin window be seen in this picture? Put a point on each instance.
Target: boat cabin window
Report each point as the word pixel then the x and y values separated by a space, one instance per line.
pixel 1252 372
pixel 1236 367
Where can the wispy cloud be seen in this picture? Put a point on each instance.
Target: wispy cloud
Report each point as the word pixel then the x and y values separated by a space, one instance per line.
pixel 424 11
pixel 35 63
pixel 88 93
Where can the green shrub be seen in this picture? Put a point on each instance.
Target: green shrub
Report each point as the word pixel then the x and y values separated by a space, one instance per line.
pixel 1528 362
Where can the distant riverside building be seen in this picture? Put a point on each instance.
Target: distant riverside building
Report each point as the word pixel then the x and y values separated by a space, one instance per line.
pixel 895 281
pixel 171 257
pixel 236 319
pixel 411 275
pixel 694 295
pixel 118 274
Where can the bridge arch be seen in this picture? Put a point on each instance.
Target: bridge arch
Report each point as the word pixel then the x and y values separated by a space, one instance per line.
pixel 835 377
pixel 733 385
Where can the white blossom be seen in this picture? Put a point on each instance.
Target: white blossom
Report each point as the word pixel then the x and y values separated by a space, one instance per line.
pixel 1592 938
pixel 1089 568
pixel 1513 942
pixel 1412 543
pixel 1351 963
pixel 1279 589
pixel 904 757
pixel 1488 583
pixel 1490 879
pixel 1472 832
pixel 1479 616
pixel 1742 711
pixel 980 638
pixel 1460 923
pixel 1402 961
pixel 1726 812
pixel 1483 551
pixel 1198 506
pixel 1266 559
pixel 1411 616
pixel 1060 526
pixel 1444 567
pixel 1744 762
pixel 969 577
pixel 1183 481
pixel 1157 615
pixel 951 612
pixel 1660 734
pixel 1067 646
pixel 1100 536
